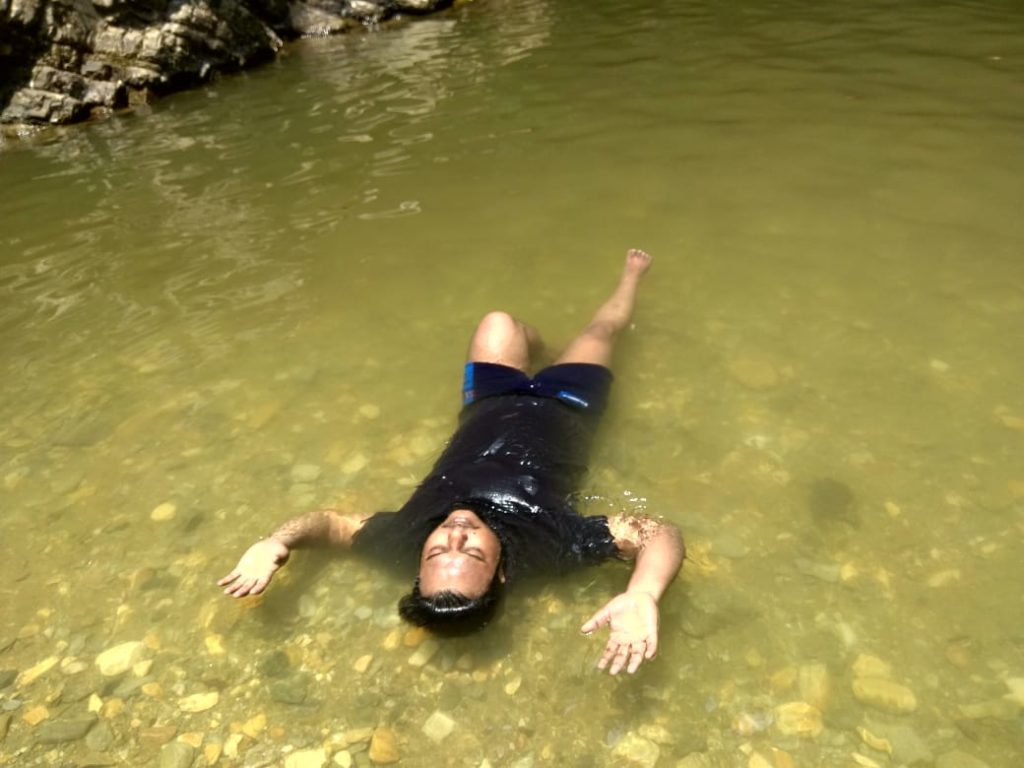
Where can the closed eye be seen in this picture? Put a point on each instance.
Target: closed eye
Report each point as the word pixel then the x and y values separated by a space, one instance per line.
pixel 474 552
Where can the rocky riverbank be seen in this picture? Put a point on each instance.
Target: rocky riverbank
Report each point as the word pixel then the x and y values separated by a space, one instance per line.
pixel 62 61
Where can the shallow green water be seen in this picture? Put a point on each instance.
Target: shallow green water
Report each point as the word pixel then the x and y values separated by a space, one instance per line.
pixel 822 387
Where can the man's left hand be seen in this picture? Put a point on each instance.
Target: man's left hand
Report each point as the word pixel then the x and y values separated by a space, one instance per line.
pixel 632 620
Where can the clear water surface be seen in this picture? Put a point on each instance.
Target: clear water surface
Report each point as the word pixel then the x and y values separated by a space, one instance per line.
pixel 255 298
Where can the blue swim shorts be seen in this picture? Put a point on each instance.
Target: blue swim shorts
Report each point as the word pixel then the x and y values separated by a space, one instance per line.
pixel 580 385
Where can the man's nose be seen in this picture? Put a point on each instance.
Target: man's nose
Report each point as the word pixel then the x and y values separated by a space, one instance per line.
pixel 457 537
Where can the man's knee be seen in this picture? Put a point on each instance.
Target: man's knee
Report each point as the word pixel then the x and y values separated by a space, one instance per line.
pixel 498 325
pixel 500 338
pixel 600 330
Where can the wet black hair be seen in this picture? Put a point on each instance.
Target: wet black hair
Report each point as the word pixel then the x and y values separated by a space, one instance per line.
pixel 450 613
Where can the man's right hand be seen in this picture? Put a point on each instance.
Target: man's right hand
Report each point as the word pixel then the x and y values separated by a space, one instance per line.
pixel 254 571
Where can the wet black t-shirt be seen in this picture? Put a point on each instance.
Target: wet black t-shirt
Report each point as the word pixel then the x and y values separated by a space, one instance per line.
pixel 515 461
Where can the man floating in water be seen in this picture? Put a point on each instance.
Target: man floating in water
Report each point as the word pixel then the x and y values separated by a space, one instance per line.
pixel 496 505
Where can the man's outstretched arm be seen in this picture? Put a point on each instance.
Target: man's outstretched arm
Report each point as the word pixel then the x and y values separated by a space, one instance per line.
pixel 261 561
pixel 632 616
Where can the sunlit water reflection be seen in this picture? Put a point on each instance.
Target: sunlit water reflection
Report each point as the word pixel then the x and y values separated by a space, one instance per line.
pixel 256 298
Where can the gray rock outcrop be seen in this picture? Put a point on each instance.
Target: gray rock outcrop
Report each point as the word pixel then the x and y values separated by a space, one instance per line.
pixel 66 60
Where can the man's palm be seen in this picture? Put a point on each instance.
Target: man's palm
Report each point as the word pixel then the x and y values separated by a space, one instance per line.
pixel 632 621
pixel 255 569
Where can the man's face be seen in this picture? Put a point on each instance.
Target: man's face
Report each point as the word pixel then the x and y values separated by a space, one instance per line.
pixel 461 554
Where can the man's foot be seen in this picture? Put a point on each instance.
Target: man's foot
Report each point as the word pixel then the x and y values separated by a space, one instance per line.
pixel 595 342
pixel 615 312
pixel 637 262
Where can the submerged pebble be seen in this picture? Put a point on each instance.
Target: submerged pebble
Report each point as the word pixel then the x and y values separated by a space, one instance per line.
pixel 65 730
pixel 885 695
pixel 177 754
pixel 100 737
pixel 798 718
pixel 157 735
pixel 749 723
pixel 199 702
pixel 290 690
pixel 994 709
pixel 875 742
pixel 635 750
pixel 163 512
pixel 438 726
pixel 36 671
pixel 255 725
pixel 867 665
pixel 36 715
pixel 383 747
pixel 306 758
pixel 120 658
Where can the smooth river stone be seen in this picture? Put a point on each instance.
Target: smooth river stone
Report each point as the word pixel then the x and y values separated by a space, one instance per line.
pixel 36 671
pixel 867 665
pixel 61 731
pixel 438 727
pixel 306 758
pixel 177 754
pixel 199 702
pixel 798 718
pixel 101 737
pixel 163 512
pixel 884 695
pixel 291 690
pixel 995 709
pixel 383 747
pixel 119 659
pixel 156 735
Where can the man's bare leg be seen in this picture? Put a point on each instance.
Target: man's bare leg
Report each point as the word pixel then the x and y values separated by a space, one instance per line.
pixel 596 342
pixel 500 338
